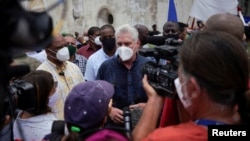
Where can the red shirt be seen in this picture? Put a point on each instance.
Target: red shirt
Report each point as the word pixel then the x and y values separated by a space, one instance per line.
pixel 183 132
pixel 86 51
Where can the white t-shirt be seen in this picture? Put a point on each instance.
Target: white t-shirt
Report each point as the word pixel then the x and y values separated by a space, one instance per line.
pixel 34 128
pixel 93 64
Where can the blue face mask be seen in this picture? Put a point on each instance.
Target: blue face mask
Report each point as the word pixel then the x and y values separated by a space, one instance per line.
pixel 109 44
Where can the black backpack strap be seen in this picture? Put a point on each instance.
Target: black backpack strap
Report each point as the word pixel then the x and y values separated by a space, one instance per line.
pixel 57 131
pixel 58 127
pixel 55 137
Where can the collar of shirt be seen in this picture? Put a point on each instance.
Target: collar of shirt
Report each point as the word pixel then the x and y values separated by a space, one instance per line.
pixel 88 48
pixel 115 54
pixel 57 68
pixel 207 122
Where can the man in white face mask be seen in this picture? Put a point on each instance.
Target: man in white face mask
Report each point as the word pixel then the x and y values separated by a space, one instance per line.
pixel 66 73
pixel 126 74
pixel 93 43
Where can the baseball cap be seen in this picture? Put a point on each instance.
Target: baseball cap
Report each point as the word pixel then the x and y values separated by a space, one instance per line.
pixel 87 103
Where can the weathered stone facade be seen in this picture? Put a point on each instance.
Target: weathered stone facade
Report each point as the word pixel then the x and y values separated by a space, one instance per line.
pixel 82 14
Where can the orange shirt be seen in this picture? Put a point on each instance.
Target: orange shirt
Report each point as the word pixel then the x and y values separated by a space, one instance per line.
pixel 183 132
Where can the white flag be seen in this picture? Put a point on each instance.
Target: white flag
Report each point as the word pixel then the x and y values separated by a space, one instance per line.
pixel 203 9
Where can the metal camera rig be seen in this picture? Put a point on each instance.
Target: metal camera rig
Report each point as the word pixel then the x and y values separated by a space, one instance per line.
pixel 161 77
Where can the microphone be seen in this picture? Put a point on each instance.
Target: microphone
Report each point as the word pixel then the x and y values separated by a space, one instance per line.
pixel 127 121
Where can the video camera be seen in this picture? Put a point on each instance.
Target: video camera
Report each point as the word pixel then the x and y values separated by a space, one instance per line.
pixel 21 30
pixel 161 76
pixel 24 93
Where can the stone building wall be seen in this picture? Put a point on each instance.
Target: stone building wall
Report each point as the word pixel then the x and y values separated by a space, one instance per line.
pixel 82 14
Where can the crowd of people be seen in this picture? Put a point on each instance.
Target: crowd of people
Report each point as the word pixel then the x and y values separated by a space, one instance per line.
pixel 89 84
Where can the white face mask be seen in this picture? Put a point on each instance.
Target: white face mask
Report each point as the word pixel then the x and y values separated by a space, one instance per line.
pixel 63 54
pixel 186 102
pixel 85 38
pixel 52 100
pixel 97 41
pixel 125 53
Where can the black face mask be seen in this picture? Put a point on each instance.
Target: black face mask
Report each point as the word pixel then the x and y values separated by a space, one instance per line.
pixel 174 36
pixel 108 44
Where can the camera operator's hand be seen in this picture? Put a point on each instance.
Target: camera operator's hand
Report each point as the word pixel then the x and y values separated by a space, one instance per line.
pixel 148 88
pixel 116 115
pixel 150 115
pixel 139 105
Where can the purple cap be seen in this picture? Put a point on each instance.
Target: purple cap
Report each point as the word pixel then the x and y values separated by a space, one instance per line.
pixel 87 103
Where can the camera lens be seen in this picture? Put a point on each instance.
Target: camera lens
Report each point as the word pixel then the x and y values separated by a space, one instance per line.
pixel 152 70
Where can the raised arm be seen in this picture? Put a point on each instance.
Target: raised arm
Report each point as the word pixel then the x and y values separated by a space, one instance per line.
pixel 151 112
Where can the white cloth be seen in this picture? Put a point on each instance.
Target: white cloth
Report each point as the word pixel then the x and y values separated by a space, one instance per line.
pixel 41 56
pixel 34 128
pixel 203 9
pixel 93 64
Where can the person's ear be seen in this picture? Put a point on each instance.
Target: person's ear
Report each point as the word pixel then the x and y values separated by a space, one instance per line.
pixel 137 44
pixel 195 87
pixel 140 44
pixel 244 37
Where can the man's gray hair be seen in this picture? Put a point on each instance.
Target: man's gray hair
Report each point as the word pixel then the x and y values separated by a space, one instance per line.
pixel 126 28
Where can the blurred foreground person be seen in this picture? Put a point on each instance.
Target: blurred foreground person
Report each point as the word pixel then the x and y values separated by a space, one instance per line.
pixel 210 96
pixel 226 22
pixel 35 122
pixel 86 109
